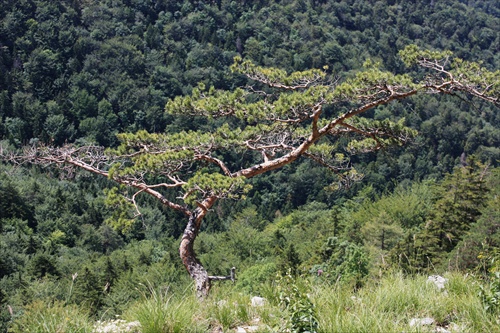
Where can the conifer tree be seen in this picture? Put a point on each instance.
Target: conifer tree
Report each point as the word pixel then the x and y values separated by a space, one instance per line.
pixel 462 195
pixel 89 290
pixel 278 119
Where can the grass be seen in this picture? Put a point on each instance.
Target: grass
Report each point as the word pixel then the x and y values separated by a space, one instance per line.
pixel 228 308
pixel 388 305
pixel 161 312
pixel 384 305
pixel 42 317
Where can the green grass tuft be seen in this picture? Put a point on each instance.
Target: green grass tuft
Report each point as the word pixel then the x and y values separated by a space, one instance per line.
pixel 42 317
pixel 159 312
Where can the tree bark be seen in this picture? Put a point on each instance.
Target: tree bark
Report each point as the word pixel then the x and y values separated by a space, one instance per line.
pixel 186 249
pixel 194 267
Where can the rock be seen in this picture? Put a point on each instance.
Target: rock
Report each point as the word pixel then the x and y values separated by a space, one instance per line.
pixel 116 326
pixel 438 281
pixel 416 322
pixel 258 301
pixel 440 329
pixel 452 327
pixel 247 329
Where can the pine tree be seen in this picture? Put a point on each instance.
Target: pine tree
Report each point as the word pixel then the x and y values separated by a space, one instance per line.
pixel 290 261
pixel 89 290
pixel 281 118
pixel 109 275
pixel 462 195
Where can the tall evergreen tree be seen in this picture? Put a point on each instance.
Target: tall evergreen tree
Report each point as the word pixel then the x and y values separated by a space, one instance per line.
pixel 462 195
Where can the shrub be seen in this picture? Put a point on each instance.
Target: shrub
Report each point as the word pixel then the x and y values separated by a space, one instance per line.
pixel 252 279
pixel 343 261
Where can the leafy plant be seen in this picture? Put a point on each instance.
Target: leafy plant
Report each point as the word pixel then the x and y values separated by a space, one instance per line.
pixel 301 310
pixel 343 261
pixel 490 294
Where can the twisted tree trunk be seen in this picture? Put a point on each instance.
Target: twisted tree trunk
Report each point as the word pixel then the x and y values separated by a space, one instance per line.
pixel 194 267
pixel 186 249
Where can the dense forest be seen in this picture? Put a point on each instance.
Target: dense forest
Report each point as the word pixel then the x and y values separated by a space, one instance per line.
pixel 80 72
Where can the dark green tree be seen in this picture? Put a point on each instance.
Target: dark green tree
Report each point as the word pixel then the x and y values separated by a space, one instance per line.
pixel 109 275
pixel 89 290
pixel 289 261
pixel 43 264
pixel 462 195
pixel 12 204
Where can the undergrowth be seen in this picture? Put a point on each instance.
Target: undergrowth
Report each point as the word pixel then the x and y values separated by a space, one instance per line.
pixel 299 305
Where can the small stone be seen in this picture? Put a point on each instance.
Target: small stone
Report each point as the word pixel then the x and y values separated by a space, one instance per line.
pixel 116 326
pixel 438 281
pixel 240 330
pixel 455 328
pixel 258 301
pixel 421 321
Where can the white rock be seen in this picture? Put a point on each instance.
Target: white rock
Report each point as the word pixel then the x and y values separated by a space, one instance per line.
pixel 258 301
pixel 421 321
pixel 132 325
pixel 456 328
pixel 116 326
pixel 440 329
pixel 241 330
pixel 356 299
pixel 438 281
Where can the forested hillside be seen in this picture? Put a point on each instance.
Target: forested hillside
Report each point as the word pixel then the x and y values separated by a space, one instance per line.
pixel 80 72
